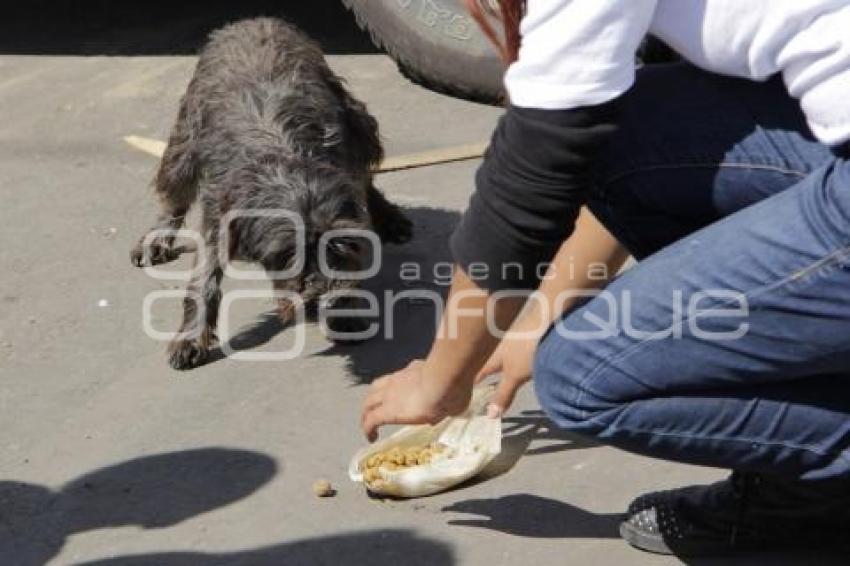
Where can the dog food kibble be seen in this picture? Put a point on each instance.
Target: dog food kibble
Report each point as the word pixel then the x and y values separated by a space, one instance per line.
pixel 323 488
pixel 397 459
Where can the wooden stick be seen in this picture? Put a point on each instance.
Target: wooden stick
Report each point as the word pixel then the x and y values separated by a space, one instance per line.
pixel 433 157
pixel 147 145
pixel 398 163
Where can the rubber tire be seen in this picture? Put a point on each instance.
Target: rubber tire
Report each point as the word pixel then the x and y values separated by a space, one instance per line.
pixel 436 44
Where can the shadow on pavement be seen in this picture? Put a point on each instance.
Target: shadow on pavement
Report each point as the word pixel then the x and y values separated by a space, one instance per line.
pixel 530 433
pixel 407 326
pixel 260 332
pixel 157 27
pixel 378 548
pixel 535 517
pixel 538 517
pixel 149 492
pixel 778 558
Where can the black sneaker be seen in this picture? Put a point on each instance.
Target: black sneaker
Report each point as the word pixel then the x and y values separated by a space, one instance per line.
pixel 746 512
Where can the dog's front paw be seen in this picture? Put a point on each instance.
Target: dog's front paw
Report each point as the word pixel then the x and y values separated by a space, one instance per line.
pixel 187 354
pixel 153 251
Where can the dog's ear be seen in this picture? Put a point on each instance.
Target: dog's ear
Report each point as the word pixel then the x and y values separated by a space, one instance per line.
pixel 364 128
pixel 361 127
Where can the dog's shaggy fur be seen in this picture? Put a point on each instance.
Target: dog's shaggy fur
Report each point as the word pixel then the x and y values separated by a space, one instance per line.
pixel 266 125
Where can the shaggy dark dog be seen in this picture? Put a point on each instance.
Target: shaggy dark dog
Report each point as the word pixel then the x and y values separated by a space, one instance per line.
pixel 265 126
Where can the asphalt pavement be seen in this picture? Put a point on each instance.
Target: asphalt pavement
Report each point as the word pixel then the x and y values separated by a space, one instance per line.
pixel 108 456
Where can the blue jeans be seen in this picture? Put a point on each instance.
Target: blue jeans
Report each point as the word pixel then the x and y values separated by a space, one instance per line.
pixel 715 184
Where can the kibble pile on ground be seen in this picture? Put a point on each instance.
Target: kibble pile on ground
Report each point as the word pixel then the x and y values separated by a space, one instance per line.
pixel 395 459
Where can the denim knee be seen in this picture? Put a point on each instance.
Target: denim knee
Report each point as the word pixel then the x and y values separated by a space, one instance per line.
pixel 562 369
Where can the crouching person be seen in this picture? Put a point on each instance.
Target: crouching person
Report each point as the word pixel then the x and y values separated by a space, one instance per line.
pixel 727 176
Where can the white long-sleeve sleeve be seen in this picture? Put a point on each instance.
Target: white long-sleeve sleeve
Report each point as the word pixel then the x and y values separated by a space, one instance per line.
pixel 577 53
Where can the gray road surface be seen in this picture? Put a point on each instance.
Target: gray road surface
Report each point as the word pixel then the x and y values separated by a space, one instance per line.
pixel 107 454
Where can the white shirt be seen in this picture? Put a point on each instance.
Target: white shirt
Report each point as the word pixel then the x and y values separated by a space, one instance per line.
pixel 581 52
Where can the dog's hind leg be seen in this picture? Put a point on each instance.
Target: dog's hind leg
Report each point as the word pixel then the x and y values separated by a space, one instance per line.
pixel 388 221
pixel 176 186
pixel 191 346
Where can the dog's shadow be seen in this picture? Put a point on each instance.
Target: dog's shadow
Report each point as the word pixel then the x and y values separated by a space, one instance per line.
pixel 410 288
pixel 260 332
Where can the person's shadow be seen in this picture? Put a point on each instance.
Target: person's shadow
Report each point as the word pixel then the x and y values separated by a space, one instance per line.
pixel 530 433
pixel 536 517
pixel 379 547
pixel 150 492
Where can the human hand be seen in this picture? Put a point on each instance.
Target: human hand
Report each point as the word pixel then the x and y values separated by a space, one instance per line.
pixel 410 397
pixel 514 359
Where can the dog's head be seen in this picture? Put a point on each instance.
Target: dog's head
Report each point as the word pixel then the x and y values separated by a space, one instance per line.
pixel 306 224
